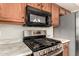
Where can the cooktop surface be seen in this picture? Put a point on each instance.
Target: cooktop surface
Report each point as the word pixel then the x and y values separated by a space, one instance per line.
pixel 36 44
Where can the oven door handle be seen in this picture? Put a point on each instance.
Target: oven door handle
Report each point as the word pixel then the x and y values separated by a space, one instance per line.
pixel 55 54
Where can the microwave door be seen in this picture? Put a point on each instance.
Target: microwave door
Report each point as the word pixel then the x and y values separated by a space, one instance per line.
pixel 37 20
pixel 36 17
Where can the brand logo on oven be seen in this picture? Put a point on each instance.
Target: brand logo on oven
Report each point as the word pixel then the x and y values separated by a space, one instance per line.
pixel 36 20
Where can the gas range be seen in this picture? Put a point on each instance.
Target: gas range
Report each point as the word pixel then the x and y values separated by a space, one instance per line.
pixel 41 46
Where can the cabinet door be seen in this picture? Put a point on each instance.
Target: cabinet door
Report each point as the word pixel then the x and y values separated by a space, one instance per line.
pixel 55 15
pixel 62 11
pixel 66 49
pixel 46 7
pixel 11 12
pixel 35 5
pixel 67 12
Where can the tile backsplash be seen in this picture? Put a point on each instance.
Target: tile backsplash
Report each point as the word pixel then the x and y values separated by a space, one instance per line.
pixel 15 32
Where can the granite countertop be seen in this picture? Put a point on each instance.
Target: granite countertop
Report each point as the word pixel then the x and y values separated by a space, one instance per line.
pixel 18 48
pixel 14 49
pixel 62 40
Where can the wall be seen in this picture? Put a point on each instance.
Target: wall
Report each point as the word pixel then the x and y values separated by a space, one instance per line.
pixel 15 32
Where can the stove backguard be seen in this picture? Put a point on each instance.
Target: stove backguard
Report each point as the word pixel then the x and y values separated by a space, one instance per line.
pixel 28 33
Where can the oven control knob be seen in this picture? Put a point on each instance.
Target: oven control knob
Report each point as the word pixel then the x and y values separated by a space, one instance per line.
pixel 49 49
pixel 55 47
pixel 58 45
pixel 52 48
pixel 45 52
pixel 40 53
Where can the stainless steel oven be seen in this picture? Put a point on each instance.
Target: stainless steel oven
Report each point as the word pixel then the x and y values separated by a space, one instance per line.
pixel 42 46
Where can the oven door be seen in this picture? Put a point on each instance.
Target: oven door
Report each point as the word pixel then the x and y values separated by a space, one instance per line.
pixel 54 53
pixel 58 53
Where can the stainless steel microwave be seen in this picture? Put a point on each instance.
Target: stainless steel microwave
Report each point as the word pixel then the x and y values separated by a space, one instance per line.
pixel 37 18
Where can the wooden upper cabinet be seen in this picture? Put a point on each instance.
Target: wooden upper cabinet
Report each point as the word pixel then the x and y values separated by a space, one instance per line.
pixel 46 7
pixel 41 6
pixel 11 12
pixel 62 11
pixel 67 12
pixel 55 15
pixel 35 5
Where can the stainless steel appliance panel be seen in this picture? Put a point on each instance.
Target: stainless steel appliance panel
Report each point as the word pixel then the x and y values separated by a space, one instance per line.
pixel 66 30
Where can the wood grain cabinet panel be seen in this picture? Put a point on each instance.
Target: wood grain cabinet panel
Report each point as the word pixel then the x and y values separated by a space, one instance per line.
pixel 41 6
pixel 35 5
pixel 46 7
pixel 55 15
pixel 11 12
pixel 66 49
pixel 62 11
pixel 67 12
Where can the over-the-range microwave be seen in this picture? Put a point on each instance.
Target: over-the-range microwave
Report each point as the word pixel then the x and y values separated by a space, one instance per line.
pixel 37 18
